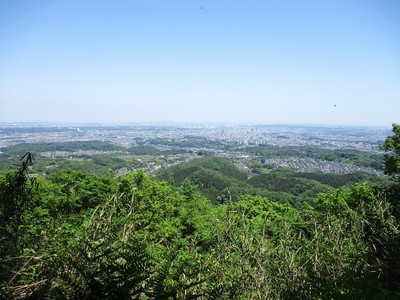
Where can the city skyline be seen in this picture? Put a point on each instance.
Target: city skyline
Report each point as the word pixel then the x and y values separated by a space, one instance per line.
pixel 259 62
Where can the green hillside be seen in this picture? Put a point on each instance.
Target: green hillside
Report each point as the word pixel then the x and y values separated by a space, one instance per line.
pixel 218 179
pixel 212 175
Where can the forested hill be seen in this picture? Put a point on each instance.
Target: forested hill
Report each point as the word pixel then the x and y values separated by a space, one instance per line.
pixel 215 177
pixel 75 235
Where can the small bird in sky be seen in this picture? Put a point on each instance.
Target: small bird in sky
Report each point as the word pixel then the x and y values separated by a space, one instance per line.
pixel 334 105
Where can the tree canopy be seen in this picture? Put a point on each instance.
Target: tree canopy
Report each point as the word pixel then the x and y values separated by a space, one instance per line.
pixel 79 235
pixel 392 149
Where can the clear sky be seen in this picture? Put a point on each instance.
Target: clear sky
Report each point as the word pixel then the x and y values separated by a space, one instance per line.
pixel 271 61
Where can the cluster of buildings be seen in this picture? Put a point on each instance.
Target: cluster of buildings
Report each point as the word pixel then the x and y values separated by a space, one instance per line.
pixel 221 140
pixel 300 164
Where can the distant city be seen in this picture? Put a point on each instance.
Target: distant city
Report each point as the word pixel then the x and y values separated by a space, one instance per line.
pixel 339 137
pixel 231 141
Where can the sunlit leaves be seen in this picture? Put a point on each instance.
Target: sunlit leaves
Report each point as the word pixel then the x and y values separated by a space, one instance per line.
pixel 140 238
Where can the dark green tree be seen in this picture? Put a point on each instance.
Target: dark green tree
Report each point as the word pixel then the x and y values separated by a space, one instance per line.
pixel 391 244
pixel 15 199
pixel 392 156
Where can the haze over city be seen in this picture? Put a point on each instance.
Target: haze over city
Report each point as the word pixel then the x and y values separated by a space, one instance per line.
pixel 266 62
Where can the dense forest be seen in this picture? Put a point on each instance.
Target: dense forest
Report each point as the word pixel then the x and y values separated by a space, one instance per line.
pixel 218 179
pixel 200 230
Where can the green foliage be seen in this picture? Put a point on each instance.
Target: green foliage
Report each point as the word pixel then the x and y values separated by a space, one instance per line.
pixel 392 167
pixel 16 199
pixel 110 162
pixel 283 182
pixel 339 180
pixel 370 215
pixel 15 195
pixel 72 191
pixel 135 237
pixel 106 259
pixel 213 176
pixel 218 164
pixel 392 158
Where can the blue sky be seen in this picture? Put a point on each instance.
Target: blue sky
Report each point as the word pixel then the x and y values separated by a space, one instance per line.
pixel 268 62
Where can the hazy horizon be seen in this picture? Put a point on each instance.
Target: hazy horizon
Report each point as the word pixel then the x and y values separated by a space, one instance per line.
pixel 218 62
pixel 187 124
